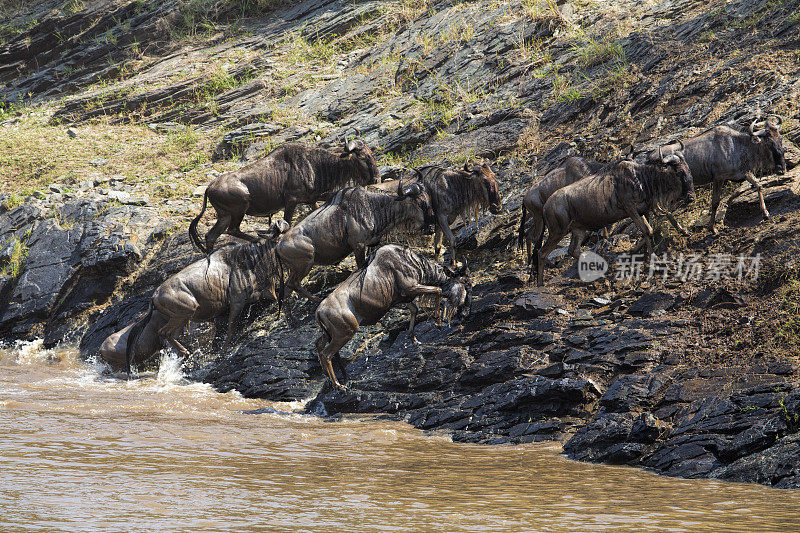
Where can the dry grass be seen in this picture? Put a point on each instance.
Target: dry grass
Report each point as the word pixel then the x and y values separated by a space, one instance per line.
pixel 34 154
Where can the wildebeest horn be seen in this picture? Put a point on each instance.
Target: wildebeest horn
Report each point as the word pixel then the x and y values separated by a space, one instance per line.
pixel 421 177
pixel 400 186
pixel 682 146
pixel 754 133
pixel 352 144
pixel 780 118
pixel 661 157
pixel 466 166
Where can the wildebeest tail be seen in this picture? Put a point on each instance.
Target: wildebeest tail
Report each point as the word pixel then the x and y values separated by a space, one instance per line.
pixel 521 237
pixel 133 336
pixel 281 283
pixel 193 234
pixel 537 246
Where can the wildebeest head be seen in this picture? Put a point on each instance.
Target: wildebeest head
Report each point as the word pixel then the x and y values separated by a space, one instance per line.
pixel 276 229
pixel 677 161
pixel 362 155
pixel 457 294
pixel 770 134
pixel 415 193
pixel 489 181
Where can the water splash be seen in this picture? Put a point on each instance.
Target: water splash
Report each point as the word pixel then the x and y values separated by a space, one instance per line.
pixel 170 371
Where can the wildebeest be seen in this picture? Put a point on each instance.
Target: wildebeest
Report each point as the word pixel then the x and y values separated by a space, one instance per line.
pixel 454 192
pixel 571 170
pixel 229 279
pixel 457 192
pixel 396 275
pixel 624 189
pixel 722 154
pixel 292 174
pixel 349 222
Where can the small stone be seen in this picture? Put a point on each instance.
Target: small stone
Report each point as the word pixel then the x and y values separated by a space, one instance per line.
pixel 98 161
pixel 199 191
pixel 72 133
pixel 119 196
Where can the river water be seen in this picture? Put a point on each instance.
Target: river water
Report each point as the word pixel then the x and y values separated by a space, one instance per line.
pixel 80 452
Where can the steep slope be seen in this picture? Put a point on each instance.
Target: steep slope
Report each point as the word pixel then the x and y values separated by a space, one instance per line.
pixel 114 112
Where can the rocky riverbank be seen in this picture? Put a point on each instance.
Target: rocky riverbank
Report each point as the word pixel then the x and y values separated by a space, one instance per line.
pixel 693 378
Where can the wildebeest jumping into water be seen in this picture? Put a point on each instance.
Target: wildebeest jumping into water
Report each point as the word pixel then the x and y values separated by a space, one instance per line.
pixel 292 174
pixel 722 154
pixel 229 279
pixel 396 275
pixel 349 222
pixel 625 189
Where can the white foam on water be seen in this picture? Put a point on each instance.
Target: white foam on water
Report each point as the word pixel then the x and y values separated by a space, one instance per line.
pixel 30 352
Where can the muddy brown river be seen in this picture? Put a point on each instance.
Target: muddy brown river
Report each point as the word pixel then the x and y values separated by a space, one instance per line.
pixel 79 452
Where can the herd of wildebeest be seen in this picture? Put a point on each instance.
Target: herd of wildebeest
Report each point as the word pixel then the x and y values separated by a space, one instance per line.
pixel 579 196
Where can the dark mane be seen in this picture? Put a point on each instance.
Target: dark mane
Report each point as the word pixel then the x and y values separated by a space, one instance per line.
pixel 258 257
pixel 430 272
pixel 375 205
pixel 464 194
pixel 655 181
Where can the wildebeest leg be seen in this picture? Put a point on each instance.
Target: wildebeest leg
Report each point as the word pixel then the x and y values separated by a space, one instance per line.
pixel 323 353
pixel 643 226
pixel 233 229
pixel 288 211
pixel 676 224
pixel 235 310
pixel 533 233
pixel 451 239
pixel 337 360
pixel 333 337
pixel 757 186
pixel 437 243
pixel 419 290
pixel 412 307
pixel 553 238
pixel 222 223
pixel 575 242
pixel 171 330
pixel 716 194
pixel 360 257
pixel 298 255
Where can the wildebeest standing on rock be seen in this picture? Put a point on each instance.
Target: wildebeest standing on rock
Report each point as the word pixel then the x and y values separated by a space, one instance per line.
pixel 396 275
pixel 722 154
pixel 229 279
pixel 292 174
pixel 571 170
pixel 457 192
pixel 624 189
pixel 349 222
